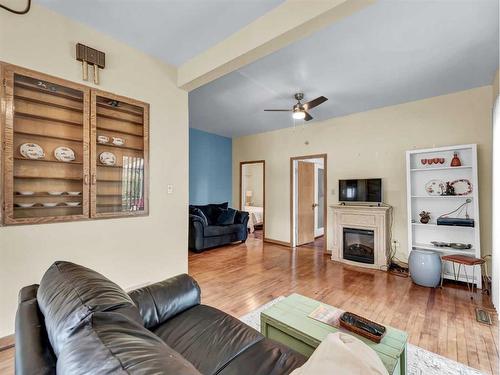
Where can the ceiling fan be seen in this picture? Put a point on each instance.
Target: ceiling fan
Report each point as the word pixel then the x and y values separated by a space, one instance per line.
pixel 299 110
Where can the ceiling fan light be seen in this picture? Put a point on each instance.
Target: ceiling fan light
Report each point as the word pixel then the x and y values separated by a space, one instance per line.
pixel 299 115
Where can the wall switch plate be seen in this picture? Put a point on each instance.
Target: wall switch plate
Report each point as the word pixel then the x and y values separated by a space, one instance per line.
pixel 170 189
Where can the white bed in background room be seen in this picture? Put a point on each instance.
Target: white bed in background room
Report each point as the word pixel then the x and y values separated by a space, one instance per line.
pixel 256 216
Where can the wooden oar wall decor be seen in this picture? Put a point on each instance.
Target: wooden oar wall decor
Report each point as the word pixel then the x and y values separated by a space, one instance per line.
pixel 90 56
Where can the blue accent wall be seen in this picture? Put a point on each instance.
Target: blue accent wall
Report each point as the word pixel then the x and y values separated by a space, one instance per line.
pixel 210 168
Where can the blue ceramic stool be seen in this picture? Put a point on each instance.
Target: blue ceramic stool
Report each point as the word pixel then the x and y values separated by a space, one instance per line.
pixel 425 267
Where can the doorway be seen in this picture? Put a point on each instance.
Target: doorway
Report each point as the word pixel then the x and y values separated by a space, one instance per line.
pixel 308 206
pixel 253 195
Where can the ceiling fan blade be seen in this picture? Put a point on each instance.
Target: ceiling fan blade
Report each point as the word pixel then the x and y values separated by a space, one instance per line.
pixel 277 110
pixel 308 116
pixel 315 102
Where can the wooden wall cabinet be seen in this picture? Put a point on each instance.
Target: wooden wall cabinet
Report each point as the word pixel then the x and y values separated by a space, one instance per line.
pixel 70 152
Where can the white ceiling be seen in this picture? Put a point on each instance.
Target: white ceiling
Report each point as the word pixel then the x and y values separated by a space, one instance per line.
pixel 171 30
pixel 389 53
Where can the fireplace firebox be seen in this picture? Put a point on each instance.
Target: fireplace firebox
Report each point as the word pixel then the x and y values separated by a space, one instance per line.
pixel 359 245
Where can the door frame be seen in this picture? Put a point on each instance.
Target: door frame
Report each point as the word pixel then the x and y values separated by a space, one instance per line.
pixel 325 184
pixel 316 195
pixel 242 163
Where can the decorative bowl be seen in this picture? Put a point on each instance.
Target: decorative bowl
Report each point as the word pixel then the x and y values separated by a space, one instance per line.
pixel 435 187
pixel 55 192
pixel 439 243
pixel 102 139
pixel 462 186
pixel 118 141
pixel 64 154
pixel 107 158
pixel 74 192
pixel 460 246
pixel 31 151
pixel 26 205
pixel 25 192
pixel 49 204
pixel 72 204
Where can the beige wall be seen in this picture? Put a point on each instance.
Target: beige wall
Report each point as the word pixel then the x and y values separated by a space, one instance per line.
pixel 373 144
pixel 129 251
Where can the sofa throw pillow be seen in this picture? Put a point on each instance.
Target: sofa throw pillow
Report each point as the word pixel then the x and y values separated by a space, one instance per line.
pixel 226 217
pixel 198 212
pixel 212 210
pixel 342 354
pixel 223 205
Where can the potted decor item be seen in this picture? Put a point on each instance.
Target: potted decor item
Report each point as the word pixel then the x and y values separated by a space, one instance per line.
pixel 425 217
pixel 455 162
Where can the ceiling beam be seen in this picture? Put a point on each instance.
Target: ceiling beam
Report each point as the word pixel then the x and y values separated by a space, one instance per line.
pixel 285 24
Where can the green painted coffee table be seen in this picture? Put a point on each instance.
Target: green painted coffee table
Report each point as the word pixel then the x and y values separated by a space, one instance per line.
pixel 288 322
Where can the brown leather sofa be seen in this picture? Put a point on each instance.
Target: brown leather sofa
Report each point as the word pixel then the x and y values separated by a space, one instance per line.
pixel 78 322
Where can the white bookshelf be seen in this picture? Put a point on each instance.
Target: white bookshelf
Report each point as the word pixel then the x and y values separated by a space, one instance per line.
pixel 418 200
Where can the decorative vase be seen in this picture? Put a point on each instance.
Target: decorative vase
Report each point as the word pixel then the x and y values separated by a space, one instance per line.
pixel 455 162
pixel 425 267
pixel 425 217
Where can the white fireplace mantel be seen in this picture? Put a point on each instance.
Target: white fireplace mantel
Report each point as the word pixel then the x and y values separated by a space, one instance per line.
pixel 366 217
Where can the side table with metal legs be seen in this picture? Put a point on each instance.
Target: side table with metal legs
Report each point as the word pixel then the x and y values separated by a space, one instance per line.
pixel 463 260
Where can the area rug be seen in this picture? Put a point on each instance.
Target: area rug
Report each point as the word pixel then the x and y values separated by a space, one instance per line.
pixel 420 361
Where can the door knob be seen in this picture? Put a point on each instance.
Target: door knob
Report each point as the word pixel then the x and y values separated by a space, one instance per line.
pixel 315 205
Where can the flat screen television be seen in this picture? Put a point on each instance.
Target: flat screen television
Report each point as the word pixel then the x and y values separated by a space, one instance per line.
pixel 361 190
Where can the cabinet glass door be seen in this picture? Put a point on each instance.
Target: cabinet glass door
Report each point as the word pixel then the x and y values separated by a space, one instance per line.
pixel 46 148
pixel 119 138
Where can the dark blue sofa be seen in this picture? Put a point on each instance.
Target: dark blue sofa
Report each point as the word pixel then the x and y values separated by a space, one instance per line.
pixel 206 232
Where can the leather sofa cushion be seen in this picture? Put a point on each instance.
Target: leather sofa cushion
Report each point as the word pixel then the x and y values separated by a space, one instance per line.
pixel 265 357
pixel 207 337
pixel 111 343
pixel 68 293
pixel 161 301
pixel 221 230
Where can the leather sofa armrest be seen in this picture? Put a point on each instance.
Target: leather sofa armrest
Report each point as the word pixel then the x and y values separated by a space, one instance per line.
pixel 34 354
pixel 241 217
pixel 161 301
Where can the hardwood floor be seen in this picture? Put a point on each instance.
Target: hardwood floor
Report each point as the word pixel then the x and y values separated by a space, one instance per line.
pixel 7 361
pixel 240 278
pixel 318 243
